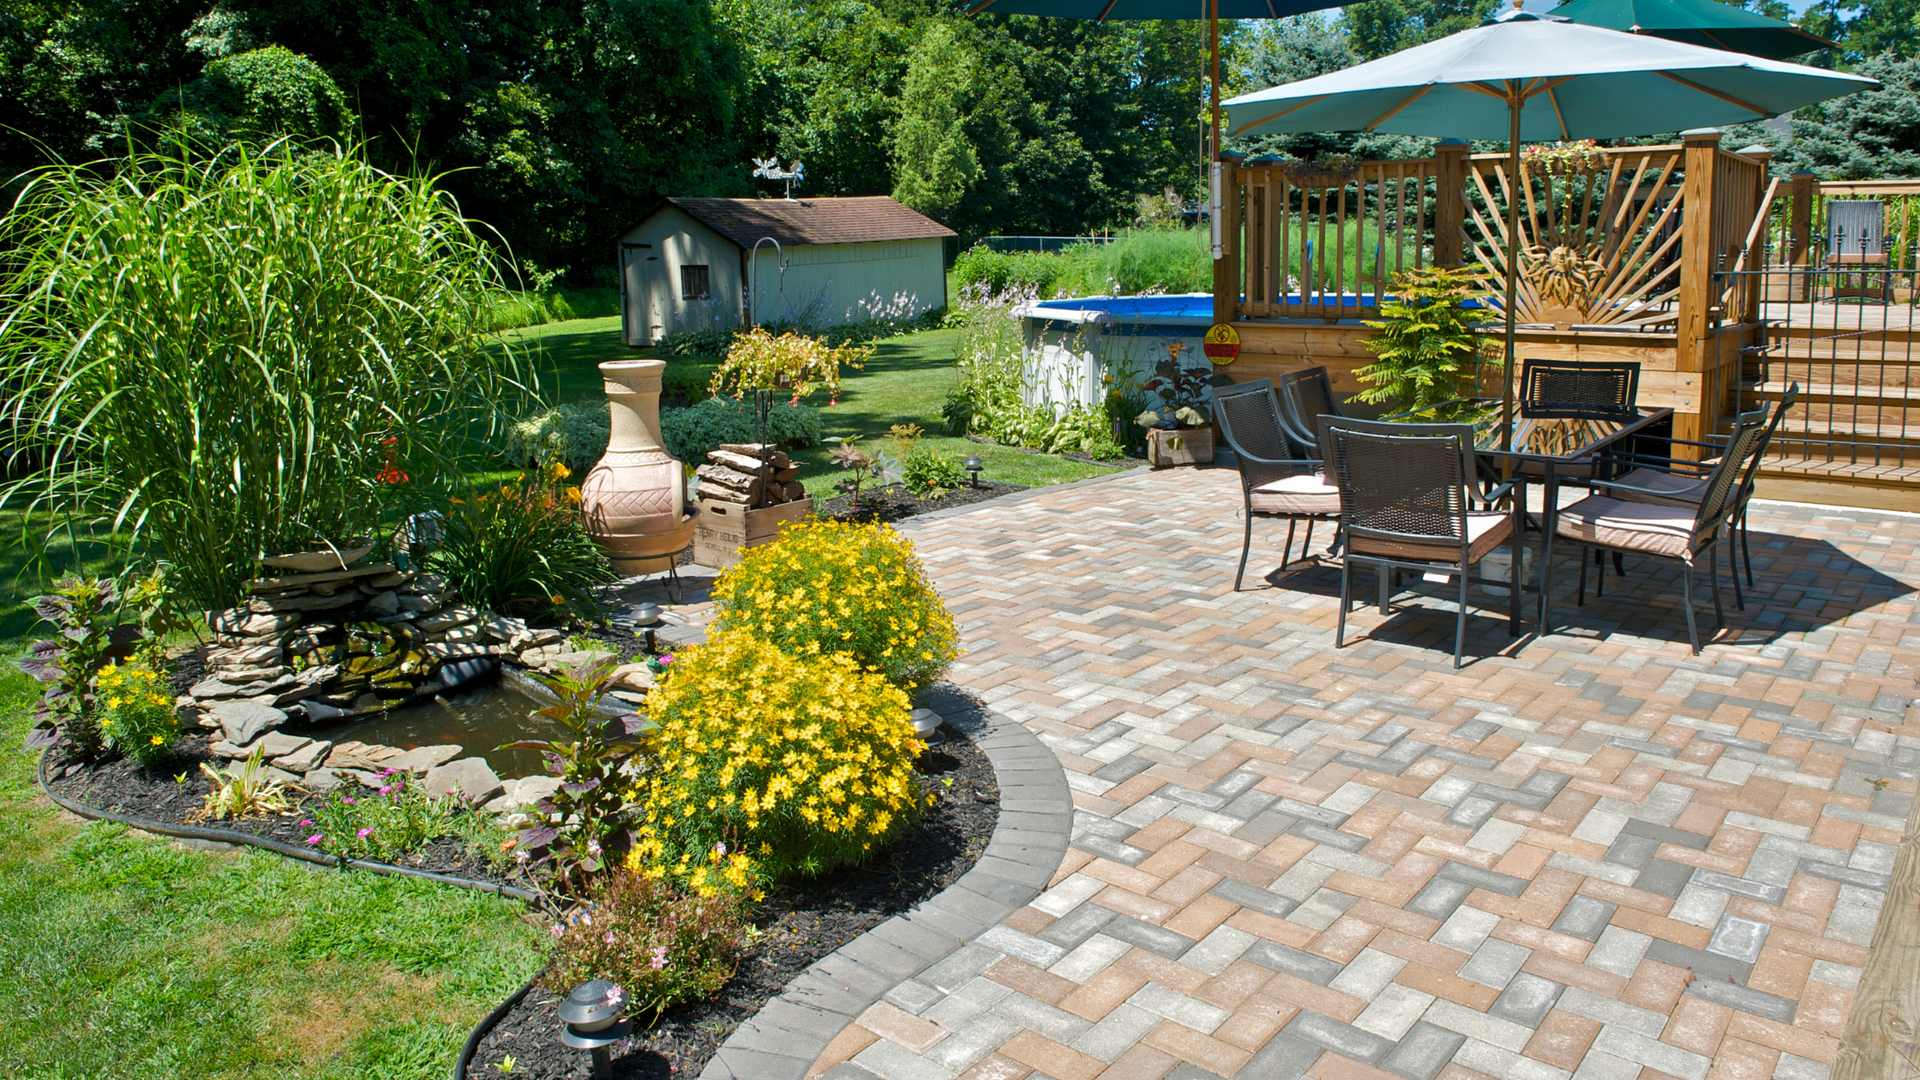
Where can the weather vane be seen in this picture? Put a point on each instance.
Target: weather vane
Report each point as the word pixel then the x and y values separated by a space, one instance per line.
pixel 770 168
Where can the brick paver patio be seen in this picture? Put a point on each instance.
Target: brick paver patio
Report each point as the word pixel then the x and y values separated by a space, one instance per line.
pixel 1593 856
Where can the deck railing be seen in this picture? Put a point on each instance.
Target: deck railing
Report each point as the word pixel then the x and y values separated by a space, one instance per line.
pixel 1605 239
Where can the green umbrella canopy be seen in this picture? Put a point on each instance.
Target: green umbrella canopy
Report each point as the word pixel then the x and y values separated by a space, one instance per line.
pixel 1707 23
pixel 1570 81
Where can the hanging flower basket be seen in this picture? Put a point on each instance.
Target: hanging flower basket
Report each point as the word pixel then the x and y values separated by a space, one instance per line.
pixel 1334 170
pixel 1565 159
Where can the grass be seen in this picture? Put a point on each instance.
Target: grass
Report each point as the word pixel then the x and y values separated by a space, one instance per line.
pixel 905 382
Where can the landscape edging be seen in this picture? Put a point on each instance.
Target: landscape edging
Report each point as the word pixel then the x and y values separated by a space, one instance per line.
pixel 782 1040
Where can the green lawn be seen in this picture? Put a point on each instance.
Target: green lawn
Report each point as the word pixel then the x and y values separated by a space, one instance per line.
pixel 904 383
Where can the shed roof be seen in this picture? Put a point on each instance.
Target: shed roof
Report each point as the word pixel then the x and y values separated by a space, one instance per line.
pixel 853 220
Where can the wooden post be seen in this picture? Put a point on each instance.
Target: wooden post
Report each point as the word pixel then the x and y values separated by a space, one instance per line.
pixel 1800 239
pixel 1226 269
pixel 1449 184
pixel 1697 353
pixel 1756 286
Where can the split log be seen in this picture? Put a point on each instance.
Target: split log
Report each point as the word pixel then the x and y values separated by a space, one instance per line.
pixel 720 494
pixel 752 450
pixel 784 475
pixel 741 462
pixel 795 490
pixel 727 478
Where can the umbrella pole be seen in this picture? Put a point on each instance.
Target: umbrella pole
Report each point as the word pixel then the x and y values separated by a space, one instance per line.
pixel 1514 104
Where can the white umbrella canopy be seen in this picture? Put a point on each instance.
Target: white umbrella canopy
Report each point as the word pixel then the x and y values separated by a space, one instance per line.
pixel 1574 82
pixel 1530 77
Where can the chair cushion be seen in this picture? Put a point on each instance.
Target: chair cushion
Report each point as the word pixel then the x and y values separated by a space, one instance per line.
pixel 1486 530
pixel 1304 493
pixel 1674 489
pixel 1653 528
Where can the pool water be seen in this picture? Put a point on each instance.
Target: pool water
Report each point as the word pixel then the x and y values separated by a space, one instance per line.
pixel 479 719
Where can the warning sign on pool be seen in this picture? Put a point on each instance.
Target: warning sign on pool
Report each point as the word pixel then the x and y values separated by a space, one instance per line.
pixel 1222 344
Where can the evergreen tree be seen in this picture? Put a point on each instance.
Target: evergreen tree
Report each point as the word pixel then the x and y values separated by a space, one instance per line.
pixel 933 160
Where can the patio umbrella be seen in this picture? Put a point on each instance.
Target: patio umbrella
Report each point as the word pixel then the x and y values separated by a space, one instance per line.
pixel 1211 10
pixel 1538 77
pixel 1708 23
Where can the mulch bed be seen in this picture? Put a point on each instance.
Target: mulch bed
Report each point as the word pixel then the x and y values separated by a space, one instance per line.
pixel 895 503
pixel 172 794
pixel 799 925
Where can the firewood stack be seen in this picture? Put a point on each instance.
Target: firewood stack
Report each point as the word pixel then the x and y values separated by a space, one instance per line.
pixel 751 475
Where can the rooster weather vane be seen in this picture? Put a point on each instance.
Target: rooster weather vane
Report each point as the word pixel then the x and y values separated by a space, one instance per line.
pixel 770 168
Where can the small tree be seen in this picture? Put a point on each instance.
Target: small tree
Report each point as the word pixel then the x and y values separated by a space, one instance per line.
pixel 1427 340
pixel 933 159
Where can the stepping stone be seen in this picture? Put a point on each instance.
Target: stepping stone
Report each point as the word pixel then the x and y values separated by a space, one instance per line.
pixel 422 758
pixel 523 793
pixel 470 778
pixel 244 722
pixel 305 759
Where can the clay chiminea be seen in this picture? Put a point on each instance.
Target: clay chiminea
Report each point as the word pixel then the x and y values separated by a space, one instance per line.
pixel 635 499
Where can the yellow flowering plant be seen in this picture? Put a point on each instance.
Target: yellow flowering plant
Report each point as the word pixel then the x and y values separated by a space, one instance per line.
pixel 757 360
pixel 764 765
pixel 837 587
pixel 136 711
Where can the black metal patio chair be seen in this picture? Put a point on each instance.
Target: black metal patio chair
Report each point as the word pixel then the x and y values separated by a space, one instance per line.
pixel 1617 522
pixel 1407 493
pixel 1273 482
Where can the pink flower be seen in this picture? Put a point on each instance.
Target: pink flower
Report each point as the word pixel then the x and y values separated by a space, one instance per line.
pixel 616 997
pixel 388 790
pixel 659 957
pixel 364 833
pixel 609 937
pixel 306 822
pixel 520 856
pixel 720 849
pixel 315 838
pixel 349 802
pixel 557 931
pixel 587 918
pixel 593 848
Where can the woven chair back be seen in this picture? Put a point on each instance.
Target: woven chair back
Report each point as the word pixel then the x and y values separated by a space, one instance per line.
pixel 1578 390
pixel 1249 417
pixel 1403 488
pixel 1305 395
pixel 1760 448
pixel 1721 483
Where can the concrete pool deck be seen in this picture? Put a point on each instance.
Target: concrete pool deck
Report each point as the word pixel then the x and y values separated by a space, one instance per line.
pixel 1590 855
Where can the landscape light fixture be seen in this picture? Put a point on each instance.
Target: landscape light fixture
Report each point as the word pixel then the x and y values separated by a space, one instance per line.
pixel 646 620
pixel 592 1016
pixel 973 465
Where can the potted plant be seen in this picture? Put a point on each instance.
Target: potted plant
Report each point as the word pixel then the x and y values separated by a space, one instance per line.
pixel 1179 432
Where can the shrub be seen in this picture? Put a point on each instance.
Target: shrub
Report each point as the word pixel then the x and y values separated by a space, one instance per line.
pixel 1172 260
pixel 1046 274
pixel 533 307
pixel 796 763
pixel 686 384
pixel 252 350
pixel 928 471
pixel 834 587
pixel 572 435
pixel 654 941
pixel 584 826
pixel 77 609
pixel 690 434
pixel 712 342
pixel 1428 338
pixel 136 711
pixel 520 549
pixel 757 360
pixel 380 822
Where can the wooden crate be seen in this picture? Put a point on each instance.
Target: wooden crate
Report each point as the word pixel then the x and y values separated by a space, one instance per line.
pixel 1188 446
pixel 724 529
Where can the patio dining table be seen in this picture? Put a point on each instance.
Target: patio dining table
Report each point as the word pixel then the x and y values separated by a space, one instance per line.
pixel 1546 451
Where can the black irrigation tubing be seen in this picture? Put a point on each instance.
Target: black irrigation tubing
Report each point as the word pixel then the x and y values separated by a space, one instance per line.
pixel 229 836
pixel 498 1014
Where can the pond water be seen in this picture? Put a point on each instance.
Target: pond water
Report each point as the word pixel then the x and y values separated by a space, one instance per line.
pixel 479 718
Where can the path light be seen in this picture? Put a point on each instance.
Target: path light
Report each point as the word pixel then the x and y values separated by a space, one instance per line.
pixel 646 619
pixel 973 465
pixel 592 1016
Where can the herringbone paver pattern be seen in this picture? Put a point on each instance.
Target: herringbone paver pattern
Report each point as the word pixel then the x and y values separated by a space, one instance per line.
pixel 1594 856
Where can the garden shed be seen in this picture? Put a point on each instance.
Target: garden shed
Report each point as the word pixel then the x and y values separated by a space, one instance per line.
pixel 688 264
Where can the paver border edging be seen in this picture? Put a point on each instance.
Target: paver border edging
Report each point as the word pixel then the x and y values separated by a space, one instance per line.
pixel 227 836
pixel 1020 496
pixel 782 1040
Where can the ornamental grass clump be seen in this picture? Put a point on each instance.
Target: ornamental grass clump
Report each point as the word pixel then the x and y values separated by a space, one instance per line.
pixel 254 349
pixel 765 765
pixel 834 587
pixel 657 943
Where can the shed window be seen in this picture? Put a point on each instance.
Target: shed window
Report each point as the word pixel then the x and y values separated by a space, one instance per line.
pixel 695 283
